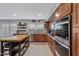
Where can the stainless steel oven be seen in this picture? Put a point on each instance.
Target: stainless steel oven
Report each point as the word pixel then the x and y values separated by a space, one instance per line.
pixel 62 36
pixel 62 49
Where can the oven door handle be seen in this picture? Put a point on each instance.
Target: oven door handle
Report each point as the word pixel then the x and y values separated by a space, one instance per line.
pixel 62 44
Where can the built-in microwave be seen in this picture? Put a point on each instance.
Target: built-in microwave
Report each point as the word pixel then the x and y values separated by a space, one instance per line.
pixel 62 35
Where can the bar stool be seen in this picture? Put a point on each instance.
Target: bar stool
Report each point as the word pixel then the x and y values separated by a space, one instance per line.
pixel 5 49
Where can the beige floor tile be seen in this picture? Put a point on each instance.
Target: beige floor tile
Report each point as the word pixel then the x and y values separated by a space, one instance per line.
pixel 38 49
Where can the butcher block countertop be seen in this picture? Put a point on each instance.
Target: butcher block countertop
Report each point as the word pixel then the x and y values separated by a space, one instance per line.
pixel 16 38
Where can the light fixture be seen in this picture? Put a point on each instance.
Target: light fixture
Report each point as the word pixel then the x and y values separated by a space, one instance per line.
pixel 57 15
pixel 39 15
pixel 14 14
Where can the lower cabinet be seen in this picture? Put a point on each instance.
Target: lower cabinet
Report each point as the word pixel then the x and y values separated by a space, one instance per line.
pixel 49 41
pixel 51 44
pixel 39 37
pixel 53 48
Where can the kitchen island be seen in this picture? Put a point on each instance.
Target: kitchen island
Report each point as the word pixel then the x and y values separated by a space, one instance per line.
pixel 17 43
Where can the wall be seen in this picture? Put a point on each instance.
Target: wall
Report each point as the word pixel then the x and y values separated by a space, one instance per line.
pixel 9 27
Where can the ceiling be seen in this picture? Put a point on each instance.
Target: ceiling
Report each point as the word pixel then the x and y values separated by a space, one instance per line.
pixel 26 10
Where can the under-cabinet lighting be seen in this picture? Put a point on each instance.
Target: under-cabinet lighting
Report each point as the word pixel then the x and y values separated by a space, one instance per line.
pixel 57 15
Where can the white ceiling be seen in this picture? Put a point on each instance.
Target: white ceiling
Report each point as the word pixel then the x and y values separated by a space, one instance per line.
pixel 26 10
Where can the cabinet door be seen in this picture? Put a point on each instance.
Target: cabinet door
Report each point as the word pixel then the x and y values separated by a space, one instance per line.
pixel 39 37
pixel 77 21
pixel 49 42
pixel 53 47
pixel 75 30
pixel 66 9
pixel 58 13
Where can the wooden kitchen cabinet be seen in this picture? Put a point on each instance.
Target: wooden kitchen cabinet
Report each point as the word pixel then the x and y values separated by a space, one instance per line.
pixel 77 21
pixel 65 9
pixel 58 13
pixel 53 47
pixel 62 10
pixel 51 44
pixel 75 30
pixel 73 10
pixel 49 41
pixel 39 37
pixel 47 25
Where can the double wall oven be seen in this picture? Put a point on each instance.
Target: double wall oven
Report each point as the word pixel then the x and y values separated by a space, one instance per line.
pixel 63 36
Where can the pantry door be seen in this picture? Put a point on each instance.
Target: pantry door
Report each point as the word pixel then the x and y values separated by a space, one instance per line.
pixel 75 30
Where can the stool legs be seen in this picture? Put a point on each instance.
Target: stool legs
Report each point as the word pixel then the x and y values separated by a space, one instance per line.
pixel 2 49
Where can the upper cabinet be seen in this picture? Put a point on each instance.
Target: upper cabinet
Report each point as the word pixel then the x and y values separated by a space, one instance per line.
pixel 58 13
pixel 63 10
pixel 47 25
pixel 77 20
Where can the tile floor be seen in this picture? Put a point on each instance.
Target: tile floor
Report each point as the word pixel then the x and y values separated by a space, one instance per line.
pixel 38 49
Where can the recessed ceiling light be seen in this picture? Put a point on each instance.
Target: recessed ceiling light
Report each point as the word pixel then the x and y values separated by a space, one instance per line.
pixel 39 15
pixel 14 14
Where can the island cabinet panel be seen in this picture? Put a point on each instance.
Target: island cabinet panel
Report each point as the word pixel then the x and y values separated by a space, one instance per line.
pixel 75 30
pixel 39 37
